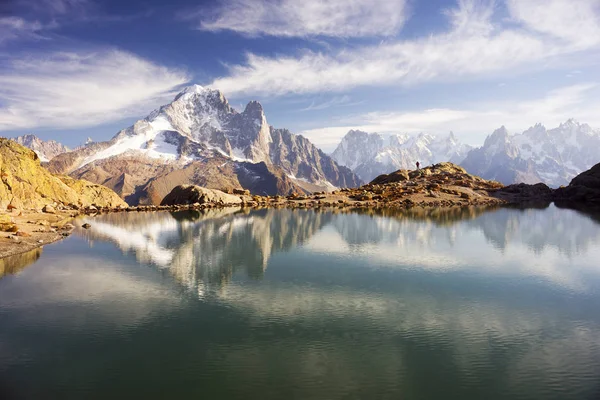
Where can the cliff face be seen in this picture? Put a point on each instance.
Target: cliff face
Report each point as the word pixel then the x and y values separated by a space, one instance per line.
pixel 24 183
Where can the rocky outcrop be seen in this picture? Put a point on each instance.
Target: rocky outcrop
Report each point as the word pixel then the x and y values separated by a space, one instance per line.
pixel 584 189
pixel 446 168
pixel 190 194
pixel 523 193
pixel 582 192
pixel 26 184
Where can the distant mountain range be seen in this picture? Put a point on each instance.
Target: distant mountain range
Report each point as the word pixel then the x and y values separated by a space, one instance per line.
pixel 200 139
pixel 370 154
pixel 46 150
pixel 553 156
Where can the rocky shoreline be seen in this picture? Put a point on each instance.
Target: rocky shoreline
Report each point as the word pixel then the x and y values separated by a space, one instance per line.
pixel 441 186
pixel 25 230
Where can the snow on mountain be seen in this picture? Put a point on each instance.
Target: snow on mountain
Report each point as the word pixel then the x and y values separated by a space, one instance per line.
pixel 198 125
pixel 553 156
pixel 46 150
pixel 372 154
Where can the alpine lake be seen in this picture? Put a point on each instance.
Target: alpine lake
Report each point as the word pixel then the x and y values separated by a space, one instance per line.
pixel 463 304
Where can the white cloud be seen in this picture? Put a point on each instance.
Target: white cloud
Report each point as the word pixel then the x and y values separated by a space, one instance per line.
pixel 472 124
pixel 474 45
pixel 292 18
pixel 67 90
pixel 577 22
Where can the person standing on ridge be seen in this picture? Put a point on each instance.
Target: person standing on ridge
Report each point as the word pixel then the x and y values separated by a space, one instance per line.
pixel 418 165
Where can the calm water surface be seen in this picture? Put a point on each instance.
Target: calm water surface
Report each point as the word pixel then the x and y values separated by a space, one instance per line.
pixel 281 304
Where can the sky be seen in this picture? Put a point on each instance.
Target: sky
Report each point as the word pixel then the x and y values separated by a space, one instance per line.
pixel 72 69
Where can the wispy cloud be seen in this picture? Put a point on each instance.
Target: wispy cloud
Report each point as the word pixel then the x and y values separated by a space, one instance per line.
pixel 575 22
pixel 474 45
pixel 60 7
pixel 67 90
pixel 14 27
pixel 336 101
pixel 292 18
pixel 576 101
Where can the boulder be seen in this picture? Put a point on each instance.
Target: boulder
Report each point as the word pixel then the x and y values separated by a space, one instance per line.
pixel 48 209
pixel 190 194
pixel 243 192
pixel 398 176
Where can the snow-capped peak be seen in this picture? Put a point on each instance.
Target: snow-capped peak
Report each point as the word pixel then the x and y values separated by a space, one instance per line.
pixel 553 156
pixel 46 150
pixel 371 154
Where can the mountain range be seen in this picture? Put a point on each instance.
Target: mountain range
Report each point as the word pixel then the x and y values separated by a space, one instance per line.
pixel 45 149
pixel 200 139
pixel 552 156
pixel 371 154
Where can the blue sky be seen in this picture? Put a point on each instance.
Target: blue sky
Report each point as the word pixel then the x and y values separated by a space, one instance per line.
pixel 70 69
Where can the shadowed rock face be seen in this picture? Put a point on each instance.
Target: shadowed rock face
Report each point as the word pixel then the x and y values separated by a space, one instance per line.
pixel 201 134
pixel 582 193
pixel 524 193
pixel 583 189
pixel 26 184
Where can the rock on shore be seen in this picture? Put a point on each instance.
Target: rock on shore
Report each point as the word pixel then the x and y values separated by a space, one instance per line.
pixel 191 194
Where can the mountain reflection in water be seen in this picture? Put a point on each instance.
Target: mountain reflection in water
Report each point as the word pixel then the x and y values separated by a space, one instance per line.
pixel 270 304
pixel 205 249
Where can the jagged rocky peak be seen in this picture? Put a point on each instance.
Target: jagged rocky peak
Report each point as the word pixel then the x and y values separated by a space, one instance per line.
pixel 45 149
pixel 209 143
pixel 552 156
pixel 537 132
pixel 254 109
pixel 499 135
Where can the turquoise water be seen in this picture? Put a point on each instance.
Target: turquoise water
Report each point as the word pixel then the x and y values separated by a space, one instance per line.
pixel 281 304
